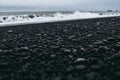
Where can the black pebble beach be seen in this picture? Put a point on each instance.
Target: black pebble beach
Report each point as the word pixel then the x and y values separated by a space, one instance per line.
pixel 69 50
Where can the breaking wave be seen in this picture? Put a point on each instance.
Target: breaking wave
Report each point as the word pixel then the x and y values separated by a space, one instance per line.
pixel 35 18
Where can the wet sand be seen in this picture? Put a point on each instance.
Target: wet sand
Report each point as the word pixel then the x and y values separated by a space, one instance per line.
pixel 70 50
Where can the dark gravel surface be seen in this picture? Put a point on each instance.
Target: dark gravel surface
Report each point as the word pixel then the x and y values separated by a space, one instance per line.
pixel 72 50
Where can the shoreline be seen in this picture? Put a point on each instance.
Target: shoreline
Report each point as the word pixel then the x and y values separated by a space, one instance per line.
pixel 51 21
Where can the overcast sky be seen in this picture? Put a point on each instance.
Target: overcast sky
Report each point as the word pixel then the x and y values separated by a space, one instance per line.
pixel 60 4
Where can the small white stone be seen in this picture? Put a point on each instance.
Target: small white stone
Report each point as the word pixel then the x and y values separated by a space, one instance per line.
pixel 80 59
pixel 10 31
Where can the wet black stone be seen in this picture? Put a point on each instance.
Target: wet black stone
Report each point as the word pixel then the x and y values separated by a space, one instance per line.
pixel 71 37
pixel 24 48
pixel 38 34
pixel 4 18
pixel 82 49
pixel 93 51
pixel 92 60
pixel 52 55
pixel 57 78
pixel 70 69
pixel 1 50
pixel 90 76
pixel 98 43
pixel 118 43
pixel 103 49
pixel 117 74
pixel 80 61
pixel 99 23
pixel 117 47
pixel 5 65
pixel 31 16
pixel 95 67
pixel 116 55
pixel 70 56
pixel 80 67
pixel 54 47
pixel 89 35
pixel 67 50
pixel 105 41
pixel 10 31
pixel 74 50
pixel 111 39
pixel 4 40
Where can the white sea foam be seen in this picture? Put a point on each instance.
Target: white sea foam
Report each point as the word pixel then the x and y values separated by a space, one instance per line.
pixel 25 19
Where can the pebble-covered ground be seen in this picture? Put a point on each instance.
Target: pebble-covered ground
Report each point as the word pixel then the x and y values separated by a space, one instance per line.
pixel 72 50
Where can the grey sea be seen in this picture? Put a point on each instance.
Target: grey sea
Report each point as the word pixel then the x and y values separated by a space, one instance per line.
pixel 46 13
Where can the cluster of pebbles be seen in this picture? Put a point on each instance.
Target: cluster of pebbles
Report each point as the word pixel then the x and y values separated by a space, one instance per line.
pixel 71 50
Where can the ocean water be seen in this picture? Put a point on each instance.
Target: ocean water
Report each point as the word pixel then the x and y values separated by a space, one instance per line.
pixel 11 18
pixel 47 13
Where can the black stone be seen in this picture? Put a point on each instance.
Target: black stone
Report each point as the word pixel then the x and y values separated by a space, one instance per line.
pixel 80 67
pixel 111 39
pixel 31 16
pixel 90 76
